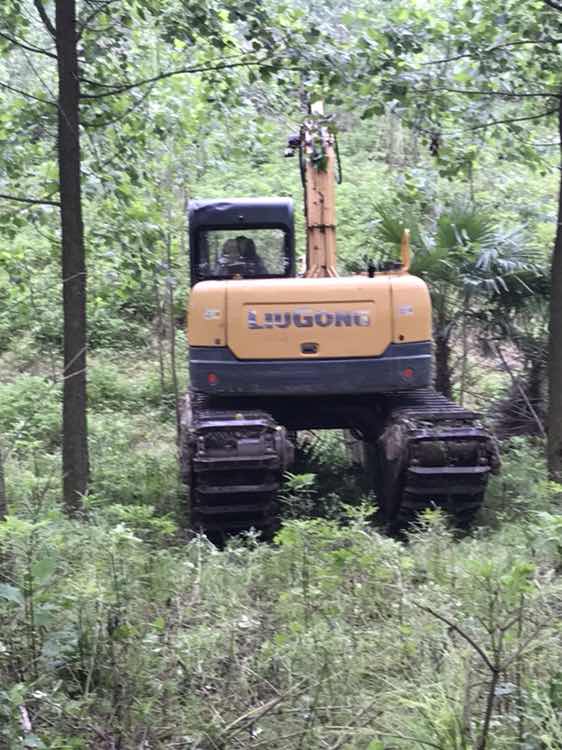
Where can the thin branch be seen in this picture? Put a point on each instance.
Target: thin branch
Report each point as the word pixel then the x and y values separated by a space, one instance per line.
pixel 31 201
pixel 99 84
pixel 487 50
pixel 490 123
pixel 128 111
pixel 519 387
pixel 39 76
pixel 356 719
pixel 409 739
pixel 554 4
pixel 483 655
pixel 251 716
pixel 27 94
pixel 504 94
pixel 278 739
pixel 83 26
pixel 527 642
pixel 25 45
pixel 259 712
pixel 161 76
pixel 45 18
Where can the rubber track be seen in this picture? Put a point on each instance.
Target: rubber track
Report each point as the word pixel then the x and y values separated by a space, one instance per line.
pixel 233 462
pixel 433 453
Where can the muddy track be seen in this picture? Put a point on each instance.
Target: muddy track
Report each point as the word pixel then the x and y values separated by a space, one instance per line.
pixel 433 453
pixel 428 452
pixel 233 463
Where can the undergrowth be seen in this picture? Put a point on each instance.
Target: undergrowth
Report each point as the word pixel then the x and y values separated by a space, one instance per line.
pixel 118 632
pixel 334 636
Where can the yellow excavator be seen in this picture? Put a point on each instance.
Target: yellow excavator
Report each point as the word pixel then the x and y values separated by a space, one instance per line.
pixel 272 352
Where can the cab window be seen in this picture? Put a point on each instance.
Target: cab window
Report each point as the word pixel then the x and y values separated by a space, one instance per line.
pixel 226 253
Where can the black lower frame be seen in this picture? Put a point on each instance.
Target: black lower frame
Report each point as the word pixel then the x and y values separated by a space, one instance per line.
pixel 215 370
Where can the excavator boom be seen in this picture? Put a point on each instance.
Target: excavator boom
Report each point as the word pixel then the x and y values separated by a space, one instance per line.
pixel 317 148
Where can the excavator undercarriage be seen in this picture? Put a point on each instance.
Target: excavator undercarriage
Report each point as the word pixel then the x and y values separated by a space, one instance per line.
pixel 426 452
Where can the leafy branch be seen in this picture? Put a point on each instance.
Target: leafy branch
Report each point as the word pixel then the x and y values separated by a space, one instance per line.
pixel 453 626
pixel 488 50
pixel 88 20
pixel 15 90
pixel 112 121
pixel 509 120
pixel 123 88
pixel 27 46
pixel 491 123
pixel 501 94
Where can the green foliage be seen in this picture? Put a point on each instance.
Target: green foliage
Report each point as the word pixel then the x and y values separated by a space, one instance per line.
pixel 298 495
pixel 110 387
pixel 30 412
pixel 333 632
pixel 522 488
pixel 133 461
pixel 463 249
pixel 115 631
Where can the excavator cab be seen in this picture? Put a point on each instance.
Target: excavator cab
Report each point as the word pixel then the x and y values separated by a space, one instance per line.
pixel 241 239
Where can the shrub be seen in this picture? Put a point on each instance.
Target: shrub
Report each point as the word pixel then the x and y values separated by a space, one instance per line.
pixel 30 412
pixel 110 387
pixel 133 460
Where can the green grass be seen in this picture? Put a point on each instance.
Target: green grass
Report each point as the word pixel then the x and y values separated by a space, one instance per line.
pixel 333 633
pixel 118 630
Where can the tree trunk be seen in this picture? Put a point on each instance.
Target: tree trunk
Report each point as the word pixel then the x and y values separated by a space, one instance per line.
pixel 464 356
pixel 75 444
pixel 554 444
pixel 3 498
pixel 442 364
pixel 172 325
pixel 159 333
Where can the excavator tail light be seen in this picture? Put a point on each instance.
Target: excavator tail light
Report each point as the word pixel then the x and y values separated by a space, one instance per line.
pixel 407 373
pixel 212 378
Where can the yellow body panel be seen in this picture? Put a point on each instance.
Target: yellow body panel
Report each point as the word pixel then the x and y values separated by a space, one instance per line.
pixel 411 309
pixel 354 316
pixel 206 320
pixel 340 317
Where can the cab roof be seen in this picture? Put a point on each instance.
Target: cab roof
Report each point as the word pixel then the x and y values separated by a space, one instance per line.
pixel 240 212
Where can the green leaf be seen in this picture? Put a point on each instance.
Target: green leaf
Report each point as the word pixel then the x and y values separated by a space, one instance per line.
pixel 43 569
pixel 33 741
pixel 11 593
pixel 159 623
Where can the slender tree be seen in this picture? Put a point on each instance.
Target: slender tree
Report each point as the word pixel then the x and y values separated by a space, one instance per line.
pixel 3 498
pixel 555 337
pixel 75 432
